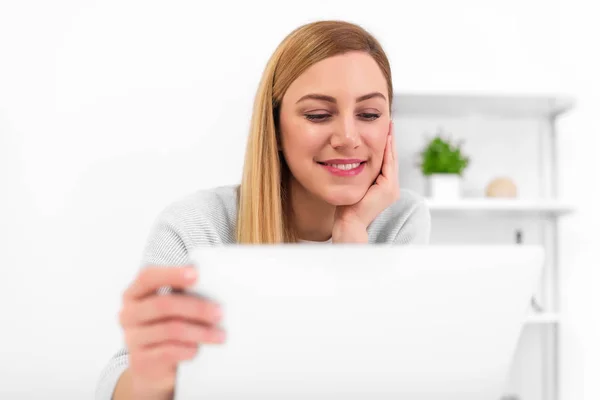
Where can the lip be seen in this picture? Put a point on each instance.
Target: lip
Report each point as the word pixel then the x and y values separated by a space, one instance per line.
pixel 342 161
pixel 343 172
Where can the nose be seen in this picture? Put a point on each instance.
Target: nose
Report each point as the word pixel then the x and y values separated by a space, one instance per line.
pixel 346 134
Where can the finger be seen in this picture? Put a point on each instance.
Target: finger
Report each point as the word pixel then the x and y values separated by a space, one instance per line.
pixel 175 330
pixel 151 278
pixel 387 167
pixel 166 354
pixel 394 173
pixel 155 308
pixel 394 149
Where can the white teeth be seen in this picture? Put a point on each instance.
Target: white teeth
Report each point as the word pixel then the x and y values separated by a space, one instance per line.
pixel 345 166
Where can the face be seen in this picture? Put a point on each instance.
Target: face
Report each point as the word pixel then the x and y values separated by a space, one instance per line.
pixel 334 120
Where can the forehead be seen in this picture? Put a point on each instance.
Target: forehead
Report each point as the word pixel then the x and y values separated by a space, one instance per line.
pixel 350 74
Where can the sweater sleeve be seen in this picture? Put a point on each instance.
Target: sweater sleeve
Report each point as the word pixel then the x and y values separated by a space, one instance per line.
pixel 165 246
pixel 417 227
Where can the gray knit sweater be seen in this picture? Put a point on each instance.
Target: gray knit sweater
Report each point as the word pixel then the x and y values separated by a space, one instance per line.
pixel 207 217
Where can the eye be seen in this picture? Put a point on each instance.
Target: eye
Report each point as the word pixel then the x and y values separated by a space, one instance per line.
pixel 317 117
pixel 369 116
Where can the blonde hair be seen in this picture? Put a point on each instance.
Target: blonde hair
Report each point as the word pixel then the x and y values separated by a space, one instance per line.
pixel 264 214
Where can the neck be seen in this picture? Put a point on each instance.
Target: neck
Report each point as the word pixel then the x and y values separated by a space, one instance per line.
pixel 312 217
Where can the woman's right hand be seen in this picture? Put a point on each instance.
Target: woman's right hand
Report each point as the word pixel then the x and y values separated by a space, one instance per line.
pixel 163 329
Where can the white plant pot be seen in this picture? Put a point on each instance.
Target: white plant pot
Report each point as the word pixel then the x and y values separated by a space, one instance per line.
pixel 445 186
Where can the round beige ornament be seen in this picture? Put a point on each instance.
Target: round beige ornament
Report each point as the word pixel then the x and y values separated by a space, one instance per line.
pixel 501 187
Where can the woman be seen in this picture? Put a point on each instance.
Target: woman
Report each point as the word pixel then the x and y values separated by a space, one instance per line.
pixel 320 167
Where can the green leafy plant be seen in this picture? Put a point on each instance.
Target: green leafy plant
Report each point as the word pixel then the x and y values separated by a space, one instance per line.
pixel 441 156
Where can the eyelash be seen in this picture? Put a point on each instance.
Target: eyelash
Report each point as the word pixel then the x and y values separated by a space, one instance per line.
pixel 318 118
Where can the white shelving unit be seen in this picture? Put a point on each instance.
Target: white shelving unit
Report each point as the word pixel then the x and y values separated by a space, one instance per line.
pixel 510 136
pixel 407 104
pixel 505 206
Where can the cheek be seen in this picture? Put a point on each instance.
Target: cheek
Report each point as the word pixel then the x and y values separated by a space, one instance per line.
pixel 302 141
pixel 375 140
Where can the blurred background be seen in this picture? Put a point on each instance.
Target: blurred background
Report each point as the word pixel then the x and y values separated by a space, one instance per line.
pixel 111 110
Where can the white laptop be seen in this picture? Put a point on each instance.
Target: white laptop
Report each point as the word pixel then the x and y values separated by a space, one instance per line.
pixel 372 322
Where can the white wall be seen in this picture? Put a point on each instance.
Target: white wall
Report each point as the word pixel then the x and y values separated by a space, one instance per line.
pixel 110 110
pixel 580 66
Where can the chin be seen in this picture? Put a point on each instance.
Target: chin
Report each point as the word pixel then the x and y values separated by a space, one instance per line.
pixel 343 195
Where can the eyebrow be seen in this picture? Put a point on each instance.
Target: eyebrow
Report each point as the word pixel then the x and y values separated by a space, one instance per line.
pixel 330 99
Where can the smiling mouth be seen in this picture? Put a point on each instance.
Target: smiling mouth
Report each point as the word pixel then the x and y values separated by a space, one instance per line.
pixel 345 166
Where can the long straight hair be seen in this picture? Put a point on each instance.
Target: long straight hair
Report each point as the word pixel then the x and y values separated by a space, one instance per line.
pixel 264 214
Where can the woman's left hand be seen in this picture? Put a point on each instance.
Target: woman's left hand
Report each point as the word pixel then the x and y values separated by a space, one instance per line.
pixel 351 222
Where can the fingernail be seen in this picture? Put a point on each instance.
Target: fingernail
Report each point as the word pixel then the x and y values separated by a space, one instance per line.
pixel 220 336
pixel 190 274
pixel 218 313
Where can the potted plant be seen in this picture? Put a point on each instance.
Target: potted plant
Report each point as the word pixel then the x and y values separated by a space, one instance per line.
pixel 443 163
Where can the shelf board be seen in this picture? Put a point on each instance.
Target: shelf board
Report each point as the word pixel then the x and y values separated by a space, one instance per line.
pixel 502 106
pixel 543 318
pixel 504 206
